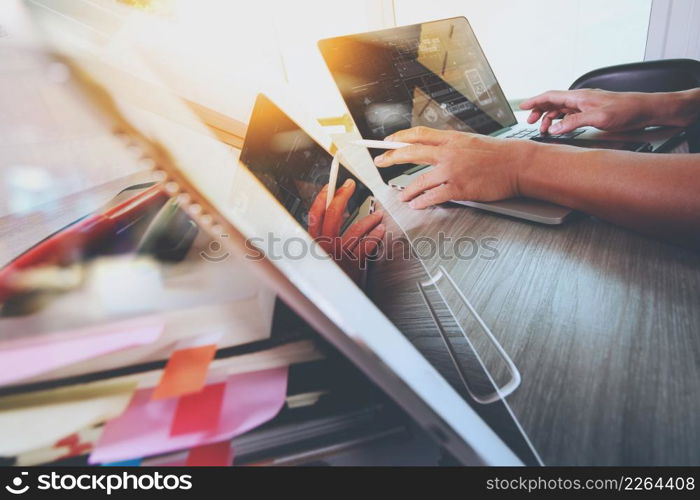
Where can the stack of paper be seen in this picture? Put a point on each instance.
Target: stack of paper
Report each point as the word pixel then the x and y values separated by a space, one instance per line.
pixel 186 361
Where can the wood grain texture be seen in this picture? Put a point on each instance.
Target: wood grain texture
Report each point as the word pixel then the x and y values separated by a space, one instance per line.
pixel 603 324
pixel 393 280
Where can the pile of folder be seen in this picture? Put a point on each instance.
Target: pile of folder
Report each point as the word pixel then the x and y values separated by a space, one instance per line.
pixel 128 337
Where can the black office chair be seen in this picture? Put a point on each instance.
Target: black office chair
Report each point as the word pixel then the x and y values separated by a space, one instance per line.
pixel 669 75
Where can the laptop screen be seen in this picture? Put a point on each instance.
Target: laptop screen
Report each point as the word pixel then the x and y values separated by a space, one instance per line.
pixel 433 74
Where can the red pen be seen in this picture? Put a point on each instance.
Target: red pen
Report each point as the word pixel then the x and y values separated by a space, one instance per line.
pixel 68 245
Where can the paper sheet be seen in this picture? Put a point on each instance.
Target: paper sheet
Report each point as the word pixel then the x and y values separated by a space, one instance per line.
pixel 82 442
pixel 250 399
pixel 237 323
pixel 39 419
pixel 40 357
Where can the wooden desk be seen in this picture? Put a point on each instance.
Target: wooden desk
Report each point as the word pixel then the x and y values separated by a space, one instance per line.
pixel 603 324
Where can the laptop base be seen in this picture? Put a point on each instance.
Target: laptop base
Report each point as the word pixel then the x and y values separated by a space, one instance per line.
pixel 522 208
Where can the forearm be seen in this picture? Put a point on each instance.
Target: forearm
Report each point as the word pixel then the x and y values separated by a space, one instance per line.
pixel 652 193
pixel 676 109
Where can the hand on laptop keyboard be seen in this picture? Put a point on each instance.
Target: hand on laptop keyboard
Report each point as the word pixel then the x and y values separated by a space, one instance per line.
pixel 611 111
pixel 529 133
pixel 465 166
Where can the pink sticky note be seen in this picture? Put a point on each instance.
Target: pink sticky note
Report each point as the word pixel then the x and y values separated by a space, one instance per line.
pixel 211 455
pixel 32 359
pixel 200 411
pixel 250 399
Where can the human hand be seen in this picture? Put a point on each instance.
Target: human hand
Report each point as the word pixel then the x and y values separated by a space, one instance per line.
pixel 466 166
pixel 612 111
pixel 351 249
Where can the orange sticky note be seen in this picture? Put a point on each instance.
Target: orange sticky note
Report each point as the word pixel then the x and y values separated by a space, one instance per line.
pixel 185 372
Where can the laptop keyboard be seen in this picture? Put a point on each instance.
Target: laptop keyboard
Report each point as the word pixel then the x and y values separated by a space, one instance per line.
pixel 529 133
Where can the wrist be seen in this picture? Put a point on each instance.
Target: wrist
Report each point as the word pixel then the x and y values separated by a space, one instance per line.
pixel 549 172
pixel 677 109
pixel 523 162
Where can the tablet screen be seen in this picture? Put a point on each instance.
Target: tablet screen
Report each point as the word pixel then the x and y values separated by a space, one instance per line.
pixel 291 165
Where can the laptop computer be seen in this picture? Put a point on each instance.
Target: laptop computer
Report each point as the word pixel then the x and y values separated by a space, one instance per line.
pixel 435 74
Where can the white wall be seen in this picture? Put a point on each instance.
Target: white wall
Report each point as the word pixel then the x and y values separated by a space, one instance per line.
pixel 537 45
pixel 674 30
pixel 220 53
